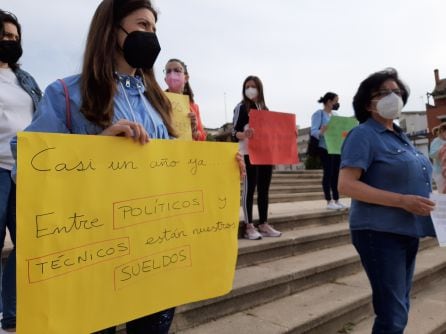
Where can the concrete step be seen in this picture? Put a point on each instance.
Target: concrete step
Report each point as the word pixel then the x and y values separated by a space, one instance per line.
pixel 291 219
pixel 297 176
pixel 302 173
pixel 296 182
pixel 326 307
pixel 266 282
pixel 295 197
pixel 312 229
pixel 287 189
pixel 427 312
pixel 292 243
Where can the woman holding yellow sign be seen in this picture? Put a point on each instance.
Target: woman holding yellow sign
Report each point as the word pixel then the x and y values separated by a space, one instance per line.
pixel 116 95
pixel 177 80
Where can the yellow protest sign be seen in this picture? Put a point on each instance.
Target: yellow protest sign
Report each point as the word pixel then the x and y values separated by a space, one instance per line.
pixel 181 120
pixel 109 230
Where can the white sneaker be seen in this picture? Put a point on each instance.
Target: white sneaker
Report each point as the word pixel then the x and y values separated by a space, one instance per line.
pixel 332 206
pixel 341 206
pixel 251 233
pixel 266 230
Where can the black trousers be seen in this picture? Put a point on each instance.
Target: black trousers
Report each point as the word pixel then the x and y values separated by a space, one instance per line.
pixel 157 323
pixel 330 165
pixel 256 176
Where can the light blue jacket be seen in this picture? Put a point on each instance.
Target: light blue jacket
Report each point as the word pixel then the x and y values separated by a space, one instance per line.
pixel 130 103
pixel 434 151
pixel 318 119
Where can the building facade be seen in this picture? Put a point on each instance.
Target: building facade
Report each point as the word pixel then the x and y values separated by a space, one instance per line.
pixel 436 112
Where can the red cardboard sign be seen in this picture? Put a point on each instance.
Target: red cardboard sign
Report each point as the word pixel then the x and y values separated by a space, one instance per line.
pixel 275 138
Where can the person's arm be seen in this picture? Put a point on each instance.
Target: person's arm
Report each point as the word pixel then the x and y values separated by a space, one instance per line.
pixel 316 121
pixel 241 164
pixel 240 120
pixel 49 116
pixel 350 185
pixel 199 134
pixel 435 148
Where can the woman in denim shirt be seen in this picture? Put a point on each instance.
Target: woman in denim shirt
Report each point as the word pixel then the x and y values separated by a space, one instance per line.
pixel 19 96
pixel 116 94
pixel 389 182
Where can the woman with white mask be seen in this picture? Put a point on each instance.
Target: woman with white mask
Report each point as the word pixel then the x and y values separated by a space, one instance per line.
pixel 256 175
pixel 389 182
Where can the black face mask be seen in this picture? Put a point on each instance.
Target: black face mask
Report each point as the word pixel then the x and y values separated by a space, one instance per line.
pixel 10 51
pixel 335 106
pixel 141 49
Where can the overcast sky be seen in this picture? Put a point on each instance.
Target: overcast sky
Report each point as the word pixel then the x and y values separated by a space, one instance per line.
pixel 299 48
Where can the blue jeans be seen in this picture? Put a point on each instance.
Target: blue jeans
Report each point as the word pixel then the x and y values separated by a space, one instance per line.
pixel 157 323
pixel 389 261
pixel 8 220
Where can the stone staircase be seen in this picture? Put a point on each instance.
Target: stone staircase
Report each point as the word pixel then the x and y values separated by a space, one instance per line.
pixel 303 185
pixel 310 280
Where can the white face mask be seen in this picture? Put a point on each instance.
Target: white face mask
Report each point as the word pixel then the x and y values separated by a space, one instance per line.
pixel 251 93
pixel 390 106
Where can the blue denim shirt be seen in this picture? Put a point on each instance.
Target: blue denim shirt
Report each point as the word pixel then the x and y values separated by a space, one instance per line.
pixel 29 85
pixel 130 103
pixel 389 162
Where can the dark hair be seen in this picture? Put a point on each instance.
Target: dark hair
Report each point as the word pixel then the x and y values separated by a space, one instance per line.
pixel 187 87
pixel 98 82
pixel 329 96
pixel 260 99
pixel 7 17
pixel 367 88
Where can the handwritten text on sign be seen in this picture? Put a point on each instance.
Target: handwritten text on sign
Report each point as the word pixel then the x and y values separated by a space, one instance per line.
pixel 181 120
pixel 275 138
pixel 109 230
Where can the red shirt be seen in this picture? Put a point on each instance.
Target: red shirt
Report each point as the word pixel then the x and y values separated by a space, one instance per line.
pixel 200 134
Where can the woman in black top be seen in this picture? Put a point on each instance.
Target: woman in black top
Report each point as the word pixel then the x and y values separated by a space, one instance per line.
pixel 256 175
